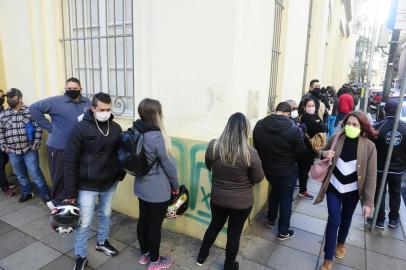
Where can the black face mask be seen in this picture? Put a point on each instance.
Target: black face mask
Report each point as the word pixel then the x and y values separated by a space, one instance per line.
pixel 12 102
pixel 316 92
pixel 1 101
pixel 73 94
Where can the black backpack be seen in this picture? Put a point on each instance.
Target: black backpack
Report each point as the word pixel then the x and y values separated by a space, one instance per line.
pixel 131 153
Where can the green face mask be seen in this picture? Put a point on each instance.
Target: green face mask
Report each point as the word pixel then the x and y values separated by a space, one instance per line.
pixel 352 132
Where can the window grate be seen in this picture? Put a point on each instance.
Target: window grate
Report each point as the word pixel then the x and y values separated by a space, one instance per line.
pixel 98 48
pixel 275 55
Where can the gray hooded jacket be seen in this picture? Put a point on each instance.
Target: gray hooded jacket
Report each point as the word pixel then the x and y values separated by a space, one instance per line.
pixel 157 184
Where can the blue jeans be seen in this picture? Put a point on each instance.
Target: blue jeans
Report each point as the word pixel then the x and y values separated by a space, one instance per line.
pixel 340 212
pixel 87 202
pixel 331 124
pixel 28 164
pixel 280 200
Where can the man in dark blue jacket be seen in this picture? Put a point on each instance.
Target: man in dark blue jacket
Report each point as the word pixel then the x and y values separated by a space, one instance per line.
pixel 397 164
pixel 91 173
pixel 280 143
pixel 64 112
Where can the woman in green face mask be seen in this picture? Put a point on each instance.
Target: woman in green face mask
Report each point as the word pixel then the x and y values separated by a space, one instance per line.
pixel 351 178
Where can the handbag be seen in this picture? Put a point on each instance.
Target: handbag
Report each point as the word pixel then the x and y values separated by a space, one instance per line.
pixel 319 169
pixel 318 141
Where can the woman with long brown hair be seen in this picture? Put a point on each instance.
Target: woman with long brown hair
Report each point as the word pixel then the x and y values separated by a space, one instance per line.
pixel 351 178
pixel 154 188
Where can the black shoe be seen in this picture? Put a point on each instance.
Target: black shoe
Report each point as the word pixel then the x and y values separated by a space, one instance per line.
pixel 234 266
pixel 269 223
pixel 25 197
pixel 393 223
pixel 201 258
pixel 106 248
pixel 80 263
pixel 287 236
pixel 379 224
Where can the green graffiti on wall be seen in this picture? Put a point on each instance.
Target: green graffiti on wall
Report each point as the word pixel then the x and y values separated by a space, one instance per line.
pixel 198 180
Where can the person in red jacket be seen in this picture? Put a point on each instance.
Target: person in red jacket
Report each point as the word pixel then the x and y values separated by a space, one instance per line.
pixel 345 105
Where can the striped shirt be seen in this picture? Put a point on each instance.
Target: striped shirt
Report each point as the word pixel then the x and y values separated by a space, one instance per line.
pixel 344 179
pixel 13 133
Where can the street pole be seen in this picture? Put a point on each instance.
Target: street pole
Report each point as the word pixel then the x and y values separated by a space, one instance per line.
pixel 390 66
pixel 371 58
pixel 390 149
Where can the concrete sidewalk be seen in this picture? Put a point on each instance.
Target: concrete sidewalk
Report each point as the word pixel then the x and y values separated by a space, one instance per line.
pixel 28 243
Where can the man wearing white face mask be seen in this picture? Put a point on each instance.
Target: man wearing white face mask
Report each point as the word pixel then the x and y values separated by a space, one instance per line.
pixel 92 172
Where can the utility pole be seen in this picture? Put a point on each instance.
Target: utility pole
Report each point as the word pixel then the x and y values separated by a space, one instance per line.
pixel 390 66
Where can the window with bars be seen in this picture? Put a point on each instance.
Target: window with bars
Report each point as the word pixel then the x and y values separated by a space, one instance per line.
pixel 98 48
pixel 275 54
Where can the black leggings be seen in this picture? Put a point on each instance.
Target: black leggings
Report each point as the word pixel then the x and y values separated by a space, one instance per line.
pixel 304 165
pixel 149 227
pixel 236 219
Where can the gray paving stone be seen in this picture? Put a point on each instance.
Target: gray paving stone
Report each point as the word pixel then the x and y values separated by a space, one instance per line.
pixel 32 257
pixel 218 264
pixel 38 228
pixel 62 263
pixel 9 205
pixel 354 257
pixel 396 233
pixel 62 242
pixel 95 257
pixel 358 222
pixel 376 261
pixel 317 211
pixel 24 215
pixel 386 245
pixel 336 266
pixel 124 230
pixel 308 224
pixel 356 238
pixel 313 186
pixel 304 241
pixel 13 241
pixel 127 259
pixel 285 258
pixel 5 228
pixel 256 249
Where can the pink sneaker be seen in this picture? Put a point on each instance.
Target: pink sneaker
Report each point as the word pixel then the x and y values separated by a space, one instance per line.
pixel 144 258
pixel 162 263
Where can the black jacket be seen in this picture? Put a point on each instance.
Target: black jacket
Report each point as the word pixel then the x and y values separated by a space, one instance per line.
pixel 317 101
pixel 279 143
pixel 90 159
pixel 398 160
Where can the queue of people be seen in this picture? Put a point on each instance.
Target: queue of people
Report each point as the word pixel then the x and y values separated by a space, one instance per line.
pixel 82 152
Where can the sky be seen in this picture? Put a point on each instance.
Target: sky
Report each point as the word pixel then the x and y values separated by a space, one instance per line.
pixel 378 9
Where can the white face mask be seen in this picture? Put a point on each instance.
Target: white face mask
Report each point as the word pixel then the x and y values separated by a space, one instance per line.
pixel 102 116
pixel 311 110
pixel 294 114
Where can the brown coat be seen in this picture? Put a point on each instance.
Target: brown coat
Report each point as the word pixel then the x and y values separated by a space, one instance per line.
pixel 366 169
pixel 232 185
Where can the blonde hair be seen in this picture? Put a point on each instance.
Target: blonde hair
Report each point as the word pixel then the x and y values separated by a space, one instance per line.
pixel 150 111
pixel 233 142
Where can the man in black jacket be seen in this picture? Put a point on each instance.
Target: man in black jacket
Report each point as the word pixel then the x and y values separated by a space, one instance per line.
pixel 279 143
pixel 92 172
pixel 397 164
pixel 322 105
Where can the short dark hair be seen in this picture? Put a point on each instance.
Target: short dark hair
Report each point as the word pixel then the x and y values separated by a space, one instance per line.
pixel 14 92
pixel 73 79
pixel 313 81
pixel 284 107
pixel 102 97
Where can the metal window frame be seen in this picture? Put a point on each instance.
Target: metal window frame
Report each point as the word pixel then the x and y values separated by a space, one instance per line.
pixel 275 53
pixel 123 97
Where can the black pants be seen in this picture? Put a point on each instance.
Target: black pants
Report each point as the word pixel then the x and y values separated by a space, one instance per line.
pixel 280 200
pixel 236 219
pixel 55 163
pixel 304 164
pixel 394 183
pixel 4 184
pixel 149 227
